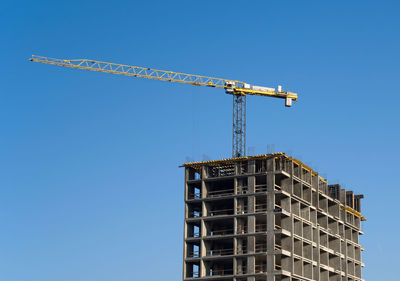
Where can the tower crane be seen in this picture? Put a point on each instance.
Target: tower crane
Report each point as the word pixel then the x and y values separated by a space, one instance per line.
pixel 239 90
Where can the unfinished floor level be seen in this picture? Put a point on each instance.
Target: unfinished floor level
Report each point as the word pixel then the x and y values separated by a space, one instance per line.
pixel 268 217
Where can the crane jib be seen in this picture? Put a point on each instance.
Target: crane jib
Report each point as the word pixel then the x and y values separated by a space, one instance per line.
pixel 238 89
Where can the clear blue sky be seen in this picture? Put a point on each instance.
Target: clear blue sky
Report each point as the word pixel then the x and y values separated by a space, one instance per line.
pixel 82 152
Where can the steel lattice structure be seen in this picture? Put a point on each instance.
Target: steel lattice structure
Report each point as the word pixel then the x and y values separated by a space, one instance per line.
pixel 238 89
pixel 239 126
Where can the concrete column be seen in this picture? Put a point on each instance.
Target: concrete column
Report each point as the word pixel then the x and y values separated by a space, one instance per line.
pixel 270 219
pixel 202 249
pixel 186 186
pixel 203 230
pixel 203 185
pixel 251 182
pixel 184 250
pixel 319 258
pixel 237 168
pixel 234 259
pixel 251 261
pixel 251 166
pixel 185 231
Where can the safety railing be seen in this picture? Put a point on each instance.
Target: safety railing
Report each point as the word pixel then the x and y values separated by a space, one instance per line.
pixel 221 172
pixel 220 193
pixel 194 235
pixel 261 248
pixel 194 254
pixel 220 212
pixel 194 214
pixel 258 228
pixel 260 268
pixel 241 210
pixel 220 232
pixel 261 227
pixel 277 208
pixel 261 207
pixel 241 270
pixel 261 188
pixel 220 272
pixel 219 252
pixel 241 229
pixel 196 195
pixel 242 190
pixel 241 250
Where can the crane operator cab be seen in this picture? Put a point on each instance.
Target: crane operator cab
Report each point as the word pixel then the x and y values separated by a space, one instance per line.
pixel 229 87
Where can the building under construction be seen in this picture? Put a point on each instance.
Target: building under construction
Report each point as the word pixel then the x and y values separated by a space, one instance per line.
pixel 268 217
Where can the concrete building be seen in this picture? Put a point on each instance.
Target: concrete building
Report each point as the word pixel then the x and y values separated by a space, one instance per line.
pixel 268 217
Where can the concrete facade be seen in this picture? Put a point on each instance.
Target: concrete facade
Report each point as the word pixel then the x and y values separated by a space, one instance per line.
pixel 268 217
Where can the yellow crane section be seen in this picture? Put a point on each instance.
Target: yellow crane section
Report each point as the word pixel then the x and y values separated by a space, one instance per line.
pixel 238 89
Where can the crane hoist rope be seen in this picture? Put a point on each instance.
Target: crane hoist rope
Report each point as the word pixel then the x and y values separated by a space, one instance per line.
pixel 239 90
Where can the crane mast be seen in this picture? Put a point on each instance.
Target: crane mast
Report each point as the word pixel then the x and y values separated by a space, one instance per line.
pixel 239 90
pixel 239 126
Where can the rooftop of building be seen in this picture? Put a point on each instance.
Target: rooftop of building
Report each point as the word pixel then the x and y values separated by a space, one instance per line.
pixel 229 162
pixel 221 163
